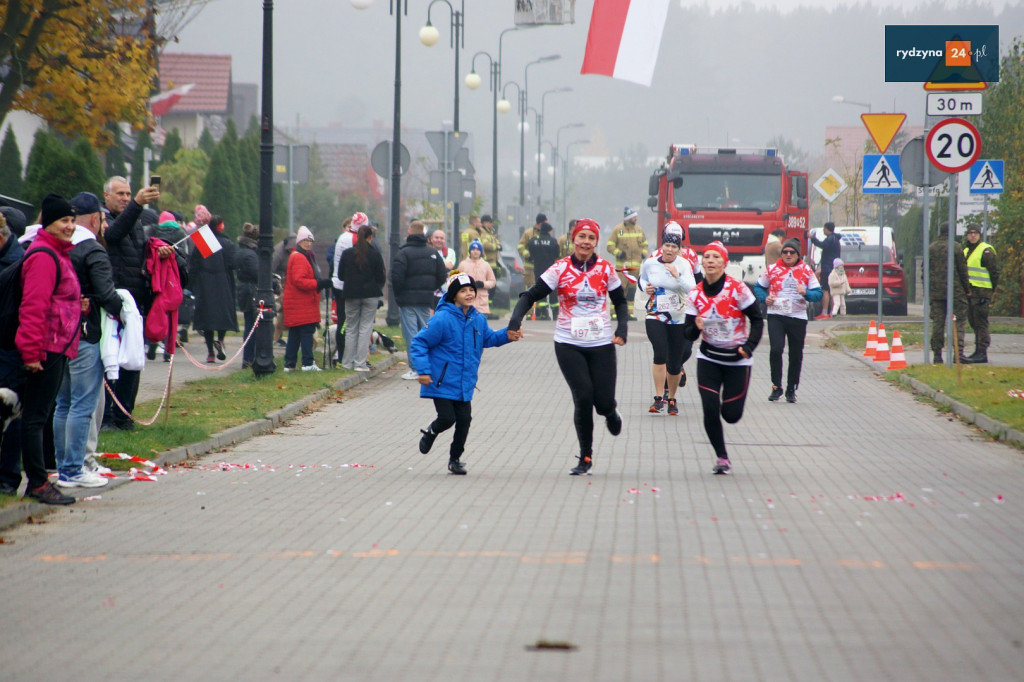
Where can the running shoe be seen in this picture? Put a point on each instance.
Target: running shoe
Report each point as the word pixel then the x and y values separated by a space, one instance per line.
pixel 209 359
pixel 83 479
pixel 311 368
pixel 722 466
pixel 427 440
pixel 583 466
pixel 614 423
pixel 219 346
pixel 791 395
pixel 776 394
pixel 673 409
pixel 456 467
pixel 658 406
pixel 48 494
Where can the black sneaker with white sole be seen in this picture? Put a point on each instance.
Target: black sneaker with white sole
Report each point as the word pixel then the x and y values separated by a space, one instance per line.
pixel 456 467
pixel 614 423
pixel 582 466
pixel 427 440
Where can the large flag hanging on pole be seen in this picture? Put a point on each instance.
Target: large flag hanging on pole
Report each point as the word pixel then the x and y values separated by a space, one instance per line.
pixel 624 39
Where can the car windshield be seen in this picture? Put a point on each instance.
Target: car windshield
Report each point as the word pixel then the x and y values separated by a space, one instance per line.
pixel 863 253
pixel 728 191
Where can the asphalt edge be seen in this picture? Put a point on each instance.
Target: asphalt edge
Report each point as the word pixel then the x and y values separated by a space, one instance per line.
pixel 30 511
pixel 997 430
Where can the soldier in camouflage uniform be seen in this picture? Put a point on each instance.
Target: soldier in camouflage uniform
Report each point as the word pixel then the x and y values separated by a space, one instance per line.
pixel 628 245
pixel 937 295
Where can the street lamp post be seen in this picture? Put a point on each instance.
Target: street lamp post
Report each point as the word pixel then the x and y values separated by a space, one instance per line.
pixel 540 136
pixel 263 340
pixel 429 36
pixel 473 82
pixel 522 122
pixel 565 172
pixel 839 99
pixel 393 318
pixel 554 163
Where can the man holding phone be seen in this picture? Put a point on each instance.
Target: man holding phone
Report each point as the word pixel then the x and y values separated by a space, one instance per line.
pixel 126 247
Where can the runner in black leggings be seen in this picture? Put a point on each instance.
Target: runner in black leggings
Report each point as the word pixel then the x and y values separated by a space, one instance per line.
pixel 723 312
pixel 584 340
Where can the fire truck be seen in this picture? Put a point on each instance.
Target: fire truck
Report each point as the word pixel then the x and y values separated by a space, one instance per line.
pixel 735 196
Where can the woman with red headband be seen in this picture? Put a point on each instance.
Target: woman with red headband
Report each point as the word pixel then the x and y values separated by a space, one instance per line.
pixel 723 312
pixel 584 339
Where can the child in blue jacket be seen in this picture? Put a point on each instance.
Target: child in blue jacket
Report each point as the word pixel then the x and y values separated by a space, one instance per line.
pixel 446 355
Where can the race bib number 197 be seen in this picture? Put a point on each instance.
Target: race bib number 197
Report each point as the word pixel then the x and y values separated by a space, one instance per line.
pixel 584 328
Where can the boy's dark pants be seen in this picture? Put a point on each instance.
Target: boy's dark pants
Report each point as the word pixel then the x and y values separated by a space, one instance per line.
pixel 457 412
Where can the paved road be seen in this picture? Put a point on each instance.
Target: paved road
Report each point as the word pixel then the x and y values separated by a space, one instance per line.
pixel 863 536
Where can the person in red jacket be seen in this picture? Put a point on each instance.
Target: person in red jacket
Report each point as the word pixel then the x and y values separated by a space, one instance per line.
pixel 48 330
pixel 301 302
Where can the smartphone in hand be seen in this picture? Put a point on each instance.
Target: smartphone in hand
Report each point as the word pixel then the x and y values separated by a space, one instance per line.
pixel 154 180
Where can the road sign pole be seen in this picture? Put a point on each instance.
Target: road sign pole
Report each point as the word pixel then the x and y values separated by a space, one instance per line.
pixel 925 267
pixel 950 235
pixel 881 243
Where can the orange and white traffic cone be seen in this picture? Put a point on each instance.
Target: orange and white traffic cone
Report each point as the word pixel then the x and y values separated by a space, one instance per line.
pixel 882 349
pixel 869 350
pixel 899 360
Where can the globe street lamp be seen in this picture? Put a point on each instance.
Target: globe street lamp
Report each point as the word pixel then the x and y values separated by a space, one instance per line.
pixel 398 10
pixel 565 172
pixel 540 136
pixel 522 127
pixel 429 36
pixel 263 340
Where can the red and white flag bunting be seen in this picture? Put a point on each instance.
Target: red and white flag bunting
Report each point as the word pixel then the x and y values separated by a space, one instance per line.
pixel 206 241
pixel 624 39
pixel 165 101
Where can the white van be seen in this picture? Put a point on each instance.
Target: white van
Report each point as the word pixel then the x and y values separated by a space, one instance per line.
pixel 861 254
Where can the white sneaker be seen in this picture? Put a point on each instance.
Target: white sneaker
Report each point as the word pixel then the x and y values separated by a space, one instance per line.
pixel 90 464
pixel 310 368
pixel 411 375
pixel 289 369
pixel 363 368
pixel 86 479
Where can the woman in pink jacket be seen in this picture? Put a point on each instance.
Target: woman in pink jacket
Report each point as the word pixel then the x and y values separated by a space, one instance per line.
pixel 48 328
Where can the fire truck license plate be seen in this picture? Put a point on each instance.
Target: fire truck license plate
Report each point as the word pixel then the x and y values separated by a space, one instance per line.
pixel 863 292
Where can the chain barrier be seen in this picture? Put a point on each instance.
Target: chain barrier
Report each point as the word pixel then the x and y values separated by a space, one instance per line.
pixel 170 369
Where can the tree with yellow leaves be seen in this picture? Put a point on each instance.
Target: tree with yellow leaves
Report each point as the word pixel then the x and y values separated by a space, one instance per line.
pixel 78 64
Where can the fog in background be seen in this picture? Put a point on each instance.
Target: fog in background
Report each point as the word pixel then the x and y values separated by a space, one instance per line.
pixel 735 75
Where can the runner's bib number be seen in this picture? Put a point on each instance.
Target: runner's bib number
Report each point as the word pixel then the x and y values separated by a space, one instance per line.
pixel 669 303
pixel 587 328
pixel 717 329
pixel 782 305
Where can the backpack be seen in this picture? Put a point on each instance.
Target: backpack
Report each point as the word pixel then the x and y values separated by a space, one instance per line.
pixel 11 294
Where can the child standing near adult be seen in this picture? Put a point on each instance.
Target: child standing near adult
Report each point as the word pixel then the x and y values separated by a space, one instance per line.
pixel 839 285
pixel 446 356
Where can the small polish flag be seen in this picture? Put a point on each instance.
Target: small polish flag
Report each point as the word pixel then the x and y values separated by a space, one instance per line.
pixel 165 101
pixel 206 241
pixel 631 278
pixel 624 39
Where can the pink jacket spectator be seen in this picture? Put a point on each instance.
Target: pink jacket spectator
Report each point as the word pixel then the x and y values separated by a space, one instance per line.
pixel 166 284
pixel 480 271
pixel 49 322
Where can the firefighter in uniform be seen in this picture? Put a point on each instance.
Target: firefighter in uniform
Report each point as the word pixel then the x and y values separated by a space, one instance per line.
pixel 543 253
pixel 628 245
pixel 983 274
pixel 524 250
pixel 482 229
pixel 565 247
pixel 937 295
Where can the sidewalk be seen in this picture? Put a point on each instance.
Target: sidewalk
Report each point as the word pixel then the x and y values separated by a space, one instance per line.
pixel 863 535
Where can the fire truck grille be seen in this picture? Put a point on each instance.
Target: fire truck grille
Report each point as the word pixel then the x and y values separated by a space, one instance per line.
pixel 730 236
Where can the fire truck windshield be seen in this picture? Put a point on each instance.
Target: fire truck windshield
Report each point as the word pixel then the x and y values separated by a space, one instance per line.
pixel 728 192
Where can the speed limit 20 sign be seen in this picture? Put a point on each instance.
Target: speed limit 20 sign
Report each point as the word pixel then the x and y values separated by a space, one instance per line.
pixel 953 145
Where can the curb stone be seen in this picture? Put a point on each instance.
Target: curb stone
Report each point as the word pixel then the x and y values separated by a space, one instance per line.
pixel 997 430
pixel 25 510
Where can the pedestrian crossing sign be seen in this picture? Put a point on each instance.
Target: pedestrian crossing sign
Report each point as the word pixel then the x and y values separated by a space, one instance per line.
pixel 881 174
pixel 986 176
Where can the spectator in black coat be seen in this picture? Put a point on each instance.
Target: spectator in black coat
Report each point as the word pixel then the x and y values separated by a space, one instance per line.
pixel 213 283
pixel 416 273
pixel 247 268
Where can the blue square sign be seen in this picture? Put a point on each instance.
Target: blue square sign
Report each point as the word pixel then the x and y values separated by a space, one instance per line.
pixel 881 174
pixel 986 176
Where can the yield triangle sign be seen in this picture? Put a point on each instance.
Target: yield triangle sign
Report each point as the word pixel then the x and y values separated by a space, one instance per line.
pixel 883 128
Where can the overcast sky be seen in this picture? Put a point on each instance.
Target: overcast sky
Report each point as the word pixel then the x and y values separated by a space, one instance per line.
pixel 334 65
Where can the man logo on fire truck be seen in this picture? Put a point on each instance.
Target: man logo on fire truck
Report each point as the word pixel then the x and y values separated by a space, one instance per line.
pixel 736 196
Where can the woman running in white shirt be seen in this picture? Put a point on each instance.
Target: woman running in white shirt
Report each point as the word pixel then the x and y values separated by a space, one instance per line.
pixel 724 314
pixel 584 339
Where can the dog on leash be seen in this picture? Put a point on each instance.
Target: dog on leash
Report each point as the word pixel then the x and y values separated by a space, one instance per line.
pixel 10 407
pixel 376 338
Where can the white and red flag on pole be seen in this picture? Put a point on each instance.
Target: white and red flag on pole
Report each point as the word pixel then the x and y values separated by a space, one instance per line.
pixel 624 39
pixel 206 241
pixel 165 101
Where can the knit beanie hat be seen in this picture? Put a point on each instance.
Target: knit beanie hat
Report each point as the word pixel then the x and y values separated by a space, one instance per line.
pixel 672 234
pixel 251 231
pixel 15 220
pixel 792 243
pixel 55 207
pixel 303 233
pixel 456 282
pixel 837 263
pixel 586 224
pixel 167 219
pixel 719 248
pixel 358 220
pixel 628 213
pixel 202 215
pixel 475 244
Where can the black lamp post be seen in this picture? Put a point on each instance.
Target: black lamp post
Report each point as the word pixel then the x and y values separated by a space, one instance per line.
pixel 540 136
pixel 263 361
pixel 429 36
pixel 473 82
pixel 554 165
pixel 393 318
pixel 565 173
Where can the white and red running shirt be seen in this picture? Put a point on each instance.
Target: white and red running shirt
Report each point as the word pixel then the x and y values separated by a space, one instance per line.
pixel 781 281
pixel 583 317
pixel 725 324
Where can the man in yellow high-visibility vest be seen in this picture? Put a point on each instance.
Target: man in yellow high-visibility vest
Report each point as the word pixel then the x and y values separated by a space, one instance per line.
pixel 983 274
